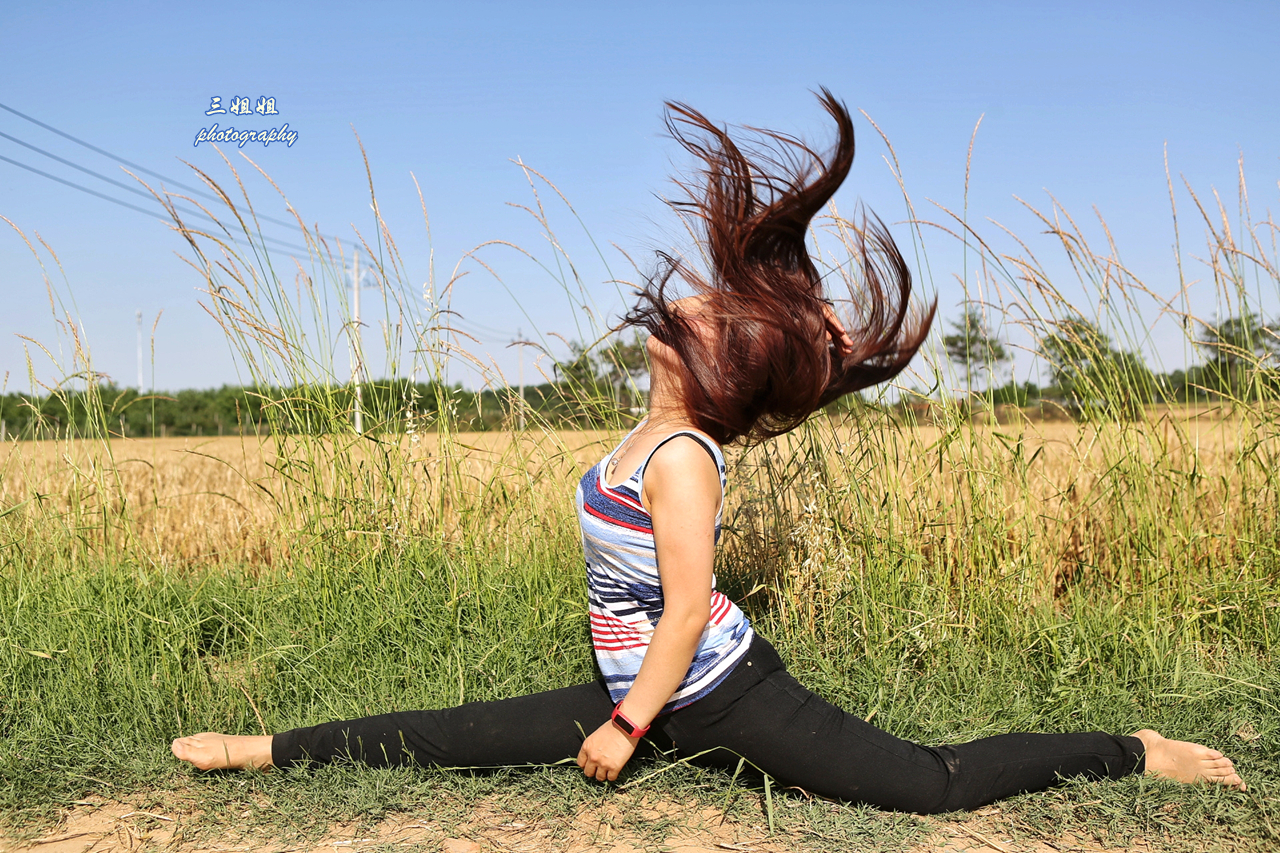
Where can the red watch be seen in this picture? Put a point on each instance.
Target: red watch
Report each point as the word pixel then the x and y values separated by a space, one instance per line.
pixel 629 728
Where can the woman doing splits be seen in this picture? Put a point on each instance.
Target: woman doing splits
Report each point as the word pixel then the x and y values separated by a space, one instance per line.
pixel 750 355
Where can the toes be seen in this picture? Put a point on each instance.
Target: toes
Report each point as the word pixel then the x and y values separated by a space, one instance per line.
pixel 1224 768
pixel 1227 776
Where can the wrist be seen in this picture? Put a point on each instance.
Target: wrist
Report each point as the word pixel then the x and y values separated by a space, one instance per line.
pixel 626 725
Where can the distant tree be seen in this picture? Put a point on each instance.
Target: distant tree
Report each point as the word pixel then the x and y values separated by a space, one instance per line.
pixel 1074 351
pixel 1013 393
pixel 602 380
pixel 973 348
pixel 1239 350
pixel 579 373
pixel 623 363
pixel 1092 374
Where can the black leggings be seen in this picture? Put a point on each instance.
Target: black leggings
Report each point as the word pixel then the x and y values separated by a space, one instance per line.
pixel 759 712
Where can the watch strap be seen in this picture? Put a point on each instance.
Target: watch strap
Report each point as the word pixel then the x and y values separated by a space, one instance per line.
pixel 629 728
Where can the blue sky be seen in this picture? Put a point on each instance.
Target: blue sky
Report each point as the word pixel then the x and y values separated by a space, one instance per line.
pixel 1078 100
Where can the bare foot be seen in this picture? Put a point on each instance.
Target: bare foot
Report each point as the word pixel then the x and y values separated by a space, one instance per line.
pixel 212 751
pixel 1186 762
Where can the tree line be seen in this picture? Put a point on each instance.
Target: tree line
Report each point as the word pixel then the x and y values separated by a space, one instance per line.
pixel 1088 375
pixel 387 405
pixel 593 387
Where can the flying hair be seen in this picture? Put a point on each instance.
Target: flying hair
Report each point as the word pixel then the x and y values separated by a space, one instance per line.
pixel 769 361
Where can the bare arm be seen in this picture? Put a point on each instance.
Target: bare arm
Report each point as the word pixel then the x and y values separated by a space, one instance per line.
pixel 682 493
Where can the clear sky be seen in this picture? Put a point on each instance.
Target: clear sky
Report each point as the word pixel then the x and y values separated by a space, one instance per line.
pixel 1078 99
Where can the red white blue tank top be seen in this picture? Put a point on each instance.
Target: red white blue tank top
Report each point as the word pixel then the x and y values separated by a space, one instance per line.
pixel 624 590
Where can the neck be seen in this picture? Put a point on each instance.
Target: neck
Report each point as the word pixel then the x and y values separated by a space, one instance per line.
pixel 666 404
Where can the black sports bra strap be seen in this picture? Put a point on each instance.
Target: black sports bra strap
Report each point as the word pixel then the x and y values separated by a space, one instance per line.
pixel 705 444
pixel 702 440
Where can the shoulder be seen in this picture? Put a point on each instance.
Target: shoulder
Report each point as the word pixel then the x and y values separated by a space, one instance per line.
pixel 687 449
pixel 685 465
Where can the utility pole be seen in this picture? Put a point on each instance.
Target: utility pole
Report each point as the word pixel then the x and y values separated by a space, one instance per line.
pixel 139 352
pixel 519 337
pixel 357 366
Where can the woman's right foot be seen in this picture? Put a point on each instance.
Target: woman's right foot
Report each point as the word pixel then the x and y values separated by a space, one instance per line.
pixel 212 751
pixel 1186 762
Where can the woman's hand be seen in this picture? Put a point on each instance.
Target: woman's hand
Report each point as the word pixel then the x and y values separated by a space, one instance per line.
pixel 836 332
pixel 605 752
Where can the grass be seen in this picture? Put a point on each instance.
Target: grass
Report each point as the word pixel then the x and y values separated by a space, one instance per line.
pixel 108 666
pixel 947 580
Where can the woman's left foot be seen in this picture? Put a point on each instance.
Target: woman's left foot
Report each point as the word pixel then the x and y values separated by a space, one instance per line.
pixel 1181 761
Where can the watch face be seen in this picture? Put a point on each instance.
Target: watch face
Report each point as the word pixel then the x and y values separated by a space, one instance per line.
pixel 628 727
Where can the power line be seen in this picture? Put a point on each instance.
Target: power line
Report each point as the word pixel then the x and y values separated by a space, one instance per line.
pixel 114 182
pixel 85 189
pixel 150 213
pixel 64 162
pixel 95 148
pixel 459 322
pixel 134 166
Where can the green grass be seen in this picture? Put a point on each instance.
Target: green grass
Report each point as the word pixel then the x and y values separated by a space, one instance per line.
pixel 107 666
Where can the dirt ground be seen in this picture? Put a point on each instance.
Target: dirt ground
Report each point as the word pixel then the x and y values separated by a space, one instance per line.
pixel 100 826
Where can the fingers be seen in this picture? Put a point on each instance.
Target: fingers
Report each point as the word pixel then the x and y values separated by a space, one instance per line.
pixel 595 769
pixel 598 771
pixel 602 756
pixel 836 332
pixel 603 774
pixel 590 767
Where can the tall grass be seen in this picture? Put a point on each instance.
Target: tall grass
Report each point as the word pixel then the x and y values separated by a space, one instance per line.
pixel 944 574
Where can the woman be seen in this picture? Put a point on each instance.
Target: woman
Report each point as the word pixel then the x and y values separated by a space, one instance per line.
pixel 750 355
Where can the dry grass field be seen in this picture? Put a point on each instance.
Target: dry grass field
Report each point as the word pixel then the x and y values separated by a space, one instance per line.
pixel 196 501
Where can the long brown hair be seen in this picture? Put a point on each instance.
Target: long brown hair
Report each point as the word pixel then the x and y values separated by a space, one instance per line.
pixel 768 365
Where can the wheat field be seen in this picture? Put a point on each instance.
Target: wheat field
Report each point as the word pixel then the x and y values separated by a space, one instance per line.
pixel 190 502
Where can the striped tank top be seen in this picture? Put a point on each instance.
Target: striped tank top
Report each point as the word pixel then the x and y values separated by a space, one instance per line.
pixel 624 591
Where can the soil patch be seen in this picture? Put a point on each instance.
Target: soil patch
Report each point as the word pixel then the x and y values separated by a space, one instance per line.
pixel 104 826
